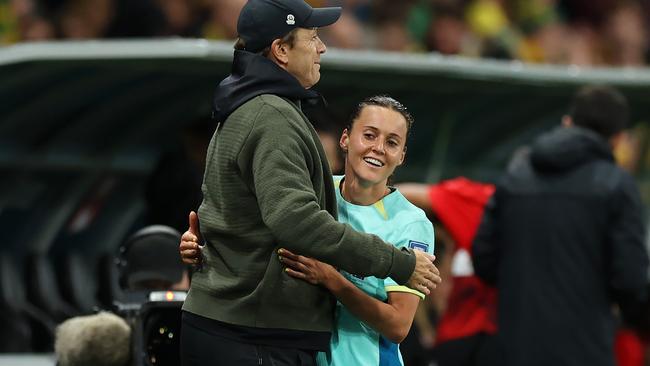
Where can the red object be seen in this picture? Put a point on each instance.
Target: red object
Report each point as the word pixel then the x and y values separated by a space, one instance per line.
pixel 628 349
pixel 458 203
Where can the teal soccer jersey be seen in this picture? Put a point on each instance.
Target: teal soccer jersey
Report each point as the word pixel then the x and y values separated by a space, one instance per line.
pixel 397 221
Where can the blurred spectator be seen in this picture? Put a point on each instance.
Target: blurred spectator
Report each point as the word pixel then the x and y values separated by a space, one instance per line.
pixel 563 238
pixel 149 261
pixel 489 21
pixel 23 20
pixel 8 23
pixel 84 19
pixel 390 19
pixel 626 34
pixel 182 18
pixel 100 340
pixel 141 18
pixel 449 34
pixel 222 23
pixel 348 32
pixel 591 12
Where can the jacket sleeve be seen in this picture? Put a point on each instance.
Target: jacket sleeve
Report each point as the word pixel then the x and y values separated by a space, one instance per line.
pixel 486 249
pixel 277 159
pixel 628 255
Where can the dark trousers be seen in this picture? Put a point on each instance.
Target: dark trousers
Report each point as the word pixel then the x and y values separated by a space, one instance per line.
pixel 199 348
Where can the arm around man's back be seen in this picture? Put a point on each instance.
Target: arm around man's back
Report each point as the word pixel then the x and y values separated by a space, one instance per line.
pixel 275 155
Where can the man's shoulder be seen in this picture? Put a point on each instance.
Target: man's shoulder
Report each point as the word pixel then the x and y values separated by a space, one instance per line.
pixel 276 102
pixel 269 108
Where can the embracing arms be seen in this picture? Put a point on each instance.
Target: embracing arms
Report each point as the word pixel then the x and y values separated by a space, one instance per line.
pixel 280 164
pixel 392 319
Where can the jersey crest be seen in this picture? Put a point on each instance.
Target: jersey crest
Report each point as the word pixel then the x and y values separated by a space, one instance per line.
pixel 417 245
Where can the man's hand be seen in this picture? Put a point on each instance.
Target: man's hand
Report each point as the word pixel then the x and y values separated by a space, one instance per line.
pixel 189 248
pixel 426 275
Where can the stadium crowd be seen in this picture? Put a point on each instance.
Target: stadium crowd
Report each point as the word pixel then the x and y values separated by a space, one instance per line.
pixel 579 32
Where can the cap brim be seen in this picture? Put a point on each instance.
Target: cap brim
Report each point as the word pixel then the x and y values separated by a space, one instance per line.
pixel 321 17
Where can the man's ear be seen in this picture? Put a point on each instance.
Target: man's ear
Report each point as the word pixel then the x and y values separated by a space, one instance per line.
pixel 567 121
pixel 279 52
pixel 617 140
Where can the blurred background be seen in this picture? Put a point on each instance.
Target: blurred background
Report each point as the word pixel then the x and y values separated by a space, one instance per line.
pixel 105 119
pixel 578 32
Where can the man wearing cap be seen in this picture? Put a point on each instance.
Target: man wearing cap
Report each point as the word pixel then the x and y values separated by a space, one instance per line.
pixel 268 185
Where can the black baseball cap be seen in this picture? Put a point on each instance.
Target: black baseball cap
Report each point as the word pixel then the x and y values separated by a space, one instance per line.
pixel 262 21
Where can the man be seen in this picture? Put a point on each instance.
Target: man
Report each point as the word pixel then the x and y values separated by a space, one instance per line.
pixel 267 184
pixel 102 339
pixel 562 238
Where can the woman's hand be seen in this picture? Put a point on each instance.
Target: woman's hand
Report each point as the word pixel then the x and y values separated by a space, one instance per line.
pixel 307 269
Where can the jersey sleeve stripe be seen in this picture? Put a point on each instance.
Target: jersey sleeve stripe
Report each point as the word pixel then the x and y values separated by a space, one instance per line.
pixel 397 288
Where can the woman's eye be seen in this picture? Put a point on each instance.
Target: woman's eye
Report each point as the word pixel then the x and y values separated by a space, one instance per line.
pixel 368 135
pixel 392 143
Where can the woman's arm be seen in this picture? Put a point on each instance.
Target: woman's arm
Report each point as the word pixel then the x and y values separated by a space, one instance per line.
pixel 392 319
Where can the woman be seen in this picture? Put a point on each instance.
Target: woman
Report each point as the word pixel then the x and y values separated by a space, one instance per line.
pixel 373 315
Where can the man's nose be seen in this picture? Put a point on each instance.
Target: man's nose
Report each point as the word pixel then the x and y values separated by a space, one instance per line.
pixel 321 46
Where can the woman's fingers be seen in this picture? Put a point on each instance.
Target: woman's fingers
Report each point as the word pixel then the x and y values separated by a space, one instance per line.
pixel 292 263
pixel 295 274
pixel 286 253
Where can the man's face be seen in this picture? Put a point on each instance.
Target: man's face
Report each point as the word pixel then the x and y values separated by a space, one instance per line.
pixel 304 57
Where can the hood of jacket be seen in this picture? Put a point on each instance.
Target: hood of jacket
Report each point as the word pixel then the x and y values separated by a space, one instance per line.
pixel 564 148
pixel 254 75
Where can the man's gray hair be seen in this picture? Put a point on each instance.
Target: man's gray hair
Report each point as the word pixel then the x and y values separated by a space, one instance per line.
pixel 102 339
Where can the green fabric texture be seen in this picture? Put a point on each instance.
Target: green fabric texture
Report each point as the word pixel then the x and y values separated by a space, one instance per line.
pixel 267 185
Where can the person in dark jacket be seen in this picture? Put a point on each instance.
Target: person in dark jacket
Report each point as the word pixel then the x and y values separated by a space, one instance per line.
pixel 563 239
pixel 267 184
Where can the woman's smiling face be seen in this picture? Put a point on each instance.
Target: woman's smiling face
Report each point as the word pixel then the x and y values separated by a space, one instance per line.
pixel 375 144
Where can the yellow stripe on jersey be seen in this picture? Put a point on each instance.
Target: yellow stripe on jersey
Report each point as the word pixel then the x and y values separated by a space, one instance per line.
pixel 379 205
pixel 404 289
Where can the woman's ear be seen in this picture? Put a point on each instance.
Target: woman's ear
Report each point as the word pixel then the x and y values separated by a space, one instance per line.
pixel 401 159
pixel 279 52
pixel 344 141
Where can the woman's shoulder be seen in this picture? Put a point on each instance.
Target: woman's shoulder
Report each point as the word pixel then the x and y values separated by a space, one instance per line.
pixel 407 210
